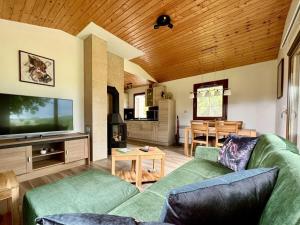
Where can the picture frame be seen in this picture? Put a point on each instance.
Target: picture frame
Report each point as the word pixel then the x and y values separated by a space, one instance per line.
pixel 280 77
pixel 36 69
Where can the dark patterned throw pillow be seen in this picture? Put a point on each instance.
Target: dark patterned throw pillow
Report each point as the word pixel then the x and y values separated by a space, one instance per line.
pixel 237 198
pixel 90 219
pixel 236 152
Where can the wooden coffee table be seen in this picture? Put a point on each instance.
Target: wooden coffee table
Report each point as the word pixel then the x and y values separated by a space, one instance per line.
pixel 137 174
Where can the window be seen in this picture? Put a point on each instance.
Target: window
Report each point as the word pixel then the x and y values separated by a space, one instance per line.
pixel 209 102
pixel 140 105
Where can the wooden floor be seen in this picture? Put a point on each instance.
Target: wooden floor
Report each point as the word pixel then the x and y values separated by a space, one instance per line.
pixel 174 159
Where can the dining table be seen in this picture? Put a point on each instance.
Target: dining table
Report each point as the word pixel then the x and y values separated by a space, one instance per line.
pixel 212 132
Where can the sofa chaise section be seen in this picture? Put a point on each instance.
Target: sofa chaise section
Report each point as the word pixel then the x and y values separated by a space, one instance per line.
pixel 93 191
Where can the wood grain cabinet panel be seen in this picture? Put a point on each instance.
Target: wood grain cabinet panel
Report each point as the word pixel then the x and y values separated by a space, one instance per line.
pixel 18 159
pixel 156 132
pixel 76 150
pixel 147 131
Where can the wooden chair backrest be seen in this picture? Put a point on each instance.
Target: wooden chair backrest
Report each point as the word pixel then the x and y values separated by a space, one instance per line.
pixel 227 127
pixel 240 124
pixel 199 127
pixel 211 123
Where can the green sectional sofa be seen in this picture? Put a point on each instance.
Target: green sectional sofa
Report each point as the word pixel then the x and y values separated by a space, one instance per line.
pixel 124 199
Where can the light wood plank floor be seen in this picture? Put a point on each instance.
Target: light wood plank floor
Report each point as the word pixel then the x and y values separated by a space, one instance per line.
pixel 174 159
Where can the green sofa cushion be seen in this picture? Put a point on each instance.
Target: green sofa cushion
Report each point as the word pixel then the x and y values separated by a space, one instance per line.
pixel 284 205
pixel 147 206
pixel 208 153
pixel 93 191
pixel 269 143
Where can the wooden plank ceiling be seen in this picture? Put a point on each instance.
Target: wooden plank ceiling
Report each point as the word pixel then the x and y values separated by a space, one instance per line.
pixel 134 81
pixel 208 35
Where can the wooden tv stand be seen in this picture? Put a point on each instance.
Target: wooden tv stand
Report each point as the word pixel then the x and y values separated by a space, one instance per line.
pixel 24 158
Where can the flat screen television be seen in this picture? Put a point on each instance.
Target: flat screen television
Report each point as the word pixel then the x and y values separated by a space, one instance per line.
pixel 21 115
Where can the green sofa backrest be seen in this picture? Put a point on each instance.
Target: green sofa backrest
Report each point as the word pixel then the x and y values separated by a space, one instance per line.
pixel 283 206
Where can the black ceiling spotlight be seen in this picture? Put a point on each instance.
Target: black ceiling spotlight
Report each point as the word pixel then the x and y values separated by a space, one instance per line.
pixel 163 20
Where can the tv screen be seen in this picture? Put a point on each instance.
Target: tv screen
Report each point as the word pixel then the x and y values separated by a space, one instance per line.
pixel 26 114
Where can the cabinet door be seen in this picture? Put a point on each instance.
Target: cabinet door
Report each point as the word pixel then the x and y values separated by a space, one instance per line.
pixel 130 130
pixel 18 159
pixel 147 131
pixel 76 150
pixel 155 132
pixel 164 111
pixel 162 132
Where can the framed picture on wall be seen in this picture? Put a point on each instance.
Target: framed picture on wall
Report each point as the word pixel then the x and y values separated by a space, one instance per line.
pixel 36 69
pixel 280 73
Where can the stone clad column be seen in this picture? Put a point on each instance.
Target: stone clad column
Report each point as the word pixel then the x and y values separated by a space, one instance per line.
pixel 95 94
pixel 116 77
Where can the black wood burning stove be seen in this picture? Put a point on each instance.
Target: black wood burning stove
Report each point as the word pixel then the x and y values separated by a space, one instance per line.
pixel 116 128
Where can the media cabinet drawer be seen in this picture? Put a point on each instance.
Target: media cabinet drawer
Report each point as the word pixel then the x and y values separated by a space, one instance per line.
pixel 76 150
pixel 18 159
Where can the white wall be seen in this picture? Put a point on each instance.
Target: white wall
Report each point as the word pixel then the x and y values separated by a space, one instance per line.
pixel 281 105
pixel 65 49
pixel 253 98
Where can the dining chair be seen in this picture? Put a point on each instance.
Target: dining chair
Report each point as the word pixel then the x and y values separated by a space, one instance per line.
pixel 224 129
pixel 199 131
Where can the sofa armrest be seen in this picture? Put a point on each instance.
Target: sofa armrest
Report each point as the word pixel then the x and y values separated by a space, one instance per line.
pixel 207 153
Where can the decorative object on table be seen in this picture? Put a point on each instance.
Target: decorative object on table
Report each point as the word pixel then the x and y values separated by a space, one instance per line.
pixel 44 151
pixel 146 148
pixel 90 219
pixel 123 150
pixel 235 198
pixel 280 78
pixel 36 69
pixel 236 151
pixel 177 132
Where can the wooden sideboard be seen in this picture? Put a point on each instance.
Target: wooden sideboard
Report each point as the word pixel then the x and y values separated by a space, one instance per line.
pixel 24 158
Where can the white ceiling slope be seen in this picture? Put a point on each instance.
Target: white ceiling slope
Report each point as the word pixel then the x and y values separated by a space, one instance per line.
pixel 135 69
pixel 115 45
pixel 119 47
